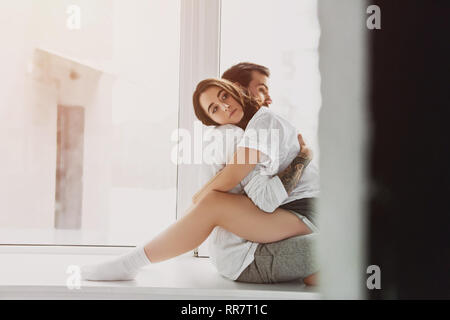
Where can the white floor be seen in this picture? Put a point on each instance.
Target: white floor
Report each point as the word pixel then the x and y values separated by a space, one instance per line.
pixel 40 273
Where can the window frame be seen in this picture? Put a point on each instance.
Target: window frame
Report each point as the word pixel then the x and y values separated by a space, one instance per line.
pixel 199 59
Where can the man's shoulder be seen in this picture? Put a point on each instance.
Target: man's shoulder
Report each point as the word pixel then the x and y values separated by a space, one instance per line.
pixel 265 118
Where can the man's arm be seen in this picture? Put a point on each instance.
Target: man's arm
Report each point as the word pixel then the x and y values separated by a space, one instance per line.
pixel 267 192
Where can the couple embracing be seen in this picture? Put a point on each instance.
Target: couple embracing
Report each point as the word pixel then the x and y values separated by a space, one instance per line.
pixel 258 206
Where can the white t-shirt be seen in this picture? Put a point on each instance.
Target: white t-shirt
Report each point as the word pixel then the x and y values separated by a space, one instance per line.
pixel 277 140
pixel 229 253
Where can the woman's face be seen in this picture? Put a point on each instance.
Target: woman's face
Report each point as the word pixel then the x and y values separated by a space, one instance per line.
pixel 220 106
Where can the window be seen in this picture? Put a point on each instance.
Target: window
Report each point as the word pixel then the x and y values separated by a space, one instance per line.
pixel 110 71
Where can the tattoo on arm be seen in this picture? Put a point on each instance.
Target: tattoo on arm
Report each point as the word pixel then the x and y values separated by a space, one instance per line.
pixel 292 174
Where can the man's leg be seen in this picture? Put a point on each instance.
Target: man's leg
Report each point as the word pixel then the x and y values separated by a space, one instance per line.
pixel 285 260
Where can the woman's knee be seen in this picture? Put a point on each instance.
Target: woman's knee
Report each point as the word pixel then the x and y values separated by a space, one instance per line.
pixel 209 199
pixel 209 204
pixel 218 206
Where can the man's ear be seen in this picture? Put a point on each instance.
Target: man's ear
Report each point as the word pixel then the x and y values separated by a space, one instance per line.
pixel 244 89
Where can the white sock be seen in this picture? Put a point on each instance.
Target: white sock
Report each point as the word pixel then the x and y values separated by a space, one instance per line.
pixel 124 267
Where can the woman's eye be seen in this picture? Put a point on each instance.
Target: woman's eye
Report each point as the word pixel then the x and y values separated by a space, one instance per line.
pixel 224 96
pixel 214 109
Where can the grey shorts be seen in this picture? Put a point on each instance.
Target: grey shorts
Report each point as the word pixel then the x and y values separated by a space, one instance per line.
pixel 286 260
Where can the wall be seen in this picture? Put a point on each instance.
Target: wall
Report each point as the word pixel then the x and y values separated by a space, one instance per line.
pixel 343 138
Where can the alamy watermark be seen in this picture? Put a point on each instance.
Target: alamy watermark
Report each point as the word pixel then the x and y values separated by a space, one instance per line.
pixel 374 280
pixel 213 146
pixel 374 20
pixel 73 21
pixel 73 281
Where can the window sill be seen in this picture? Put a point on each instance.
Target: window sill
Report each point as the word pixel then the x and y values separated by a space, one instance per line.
pixel 40 273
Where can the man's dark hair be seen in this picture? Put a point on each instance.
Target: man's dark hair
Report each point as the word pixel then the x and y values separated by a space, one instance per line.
pixel 242 73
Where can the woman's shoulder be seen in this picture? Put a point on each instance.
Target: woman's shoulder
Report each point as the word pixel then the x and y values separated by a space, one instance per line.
pixel 224 139
pixel 228 128
pixel 224 130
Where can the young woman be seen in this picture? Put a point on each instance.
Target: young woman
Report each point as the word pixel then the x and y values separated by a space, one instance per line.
pixel 219 102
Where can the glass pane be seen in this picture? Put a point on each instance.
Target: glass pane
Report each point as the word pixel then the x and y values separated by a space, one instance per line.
pixel 283 36
pixel 89 100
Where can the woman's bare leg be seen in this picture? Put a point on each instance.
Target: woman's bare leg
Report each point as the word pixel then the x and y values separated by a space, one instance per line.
pixel 235 213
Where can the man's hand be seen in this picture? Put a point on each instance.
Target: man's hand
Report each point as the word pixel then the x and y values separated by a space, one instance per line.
pixel 305 152
pixel 290 176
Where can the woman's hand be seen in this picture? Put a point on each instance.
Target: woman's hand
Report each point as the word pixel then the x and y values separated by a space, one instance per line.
pixel 207 187
pixel 196 197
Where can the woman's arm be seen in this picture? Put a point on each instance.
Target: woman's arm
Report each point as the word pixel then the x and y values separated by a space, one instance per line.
pixel 268 197
pixel 244 161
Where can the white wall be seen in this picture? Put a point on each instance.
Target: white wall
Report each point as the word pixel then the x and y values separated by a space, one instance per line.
pixel 343 136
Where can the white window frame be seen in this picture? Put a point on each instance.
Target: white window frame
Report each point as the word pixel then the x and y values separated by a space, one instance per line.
pixel 199 59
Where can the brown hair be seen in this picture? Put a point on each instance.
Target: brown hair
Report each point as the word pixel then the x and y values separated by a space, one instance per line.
pixel 248 103
pixel 242 73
